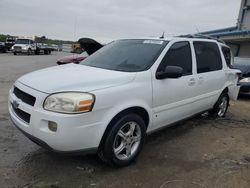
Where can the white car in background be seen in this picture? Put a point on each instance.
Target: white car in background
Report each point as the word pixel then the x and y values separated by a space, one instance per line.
pixel 109 102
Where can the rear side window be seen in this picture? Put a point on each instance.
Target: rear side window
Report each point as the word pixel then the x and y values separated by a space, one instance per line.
pixel 207 57
pixel 179 54
pixel 227 55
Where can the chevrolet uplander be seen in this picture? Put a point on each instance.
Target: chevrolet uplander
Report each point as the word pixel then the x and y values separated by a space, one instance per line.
pixel 129 88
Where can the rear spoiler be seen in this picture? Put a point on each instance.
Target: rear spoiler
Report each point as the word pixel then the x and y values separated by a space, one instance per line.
pixel 89 45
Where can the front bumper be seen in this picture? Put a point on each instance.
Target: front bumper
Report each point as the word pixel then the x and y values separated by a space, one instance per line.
pixel 75 133
pixel 244 89
pixel 2 48
pixel 20 50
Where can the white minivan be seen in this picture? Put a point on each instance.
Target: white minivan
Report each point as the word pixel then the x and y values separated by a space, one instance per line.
pixel 129 88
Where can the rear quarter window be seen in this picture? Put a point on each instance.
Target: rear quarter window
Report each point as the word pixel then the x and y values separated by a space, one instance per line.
pixel 227 55
pixel 208 56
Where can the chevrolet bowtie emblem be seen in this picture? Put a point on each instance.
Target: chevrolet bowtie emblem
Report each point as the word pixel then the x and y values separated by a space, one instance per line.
pixel 15 104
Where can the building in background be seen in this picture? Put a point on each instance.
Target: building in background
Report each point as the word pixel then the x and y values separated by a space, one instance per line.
pixel 237 37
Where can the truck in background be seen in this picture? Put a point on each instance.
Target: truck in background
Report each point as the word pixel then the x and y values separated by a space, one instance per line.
pixel 31 46
pixel 24 45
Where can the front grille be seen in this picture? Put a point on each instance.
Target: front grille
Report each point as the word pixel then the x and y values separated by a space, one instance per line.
pixel 25 97
pixel 245 88
pixel 17 47
pixel 21 114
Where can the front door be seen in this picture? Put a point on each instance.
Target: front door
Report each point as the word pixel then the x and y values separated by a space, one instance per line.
pixel 172 98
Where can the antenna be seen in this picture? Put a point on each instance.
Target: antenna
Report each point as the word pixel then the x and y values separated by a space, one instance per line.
pixel 73 46
pixel 163 35
pixel 75 28
pixel 197 30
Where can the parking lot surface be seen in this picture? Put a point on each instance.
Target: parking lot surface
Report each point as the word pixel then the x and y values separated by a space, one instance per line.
pixel 198 153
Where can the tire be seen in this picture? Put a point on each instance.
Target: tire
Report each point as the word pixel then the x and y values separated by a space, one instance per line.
pixel 221 106
pixel 126 136
pixel 37 52
pixel 14 53
pixel 29 52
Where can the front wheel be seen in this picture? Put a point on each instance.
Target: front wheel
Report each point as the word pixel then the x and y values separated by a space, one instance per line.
pixel 124 141
pixel 29 52
pixel 221 106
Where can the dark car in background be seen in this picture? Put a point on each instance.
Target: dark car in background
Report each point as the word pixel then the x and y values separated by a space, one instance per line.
pixel 243 64
pixel 2 47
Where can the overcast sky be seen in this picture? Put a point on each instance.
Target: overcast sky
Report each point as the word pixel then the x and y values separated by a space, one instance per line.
pixel 106 20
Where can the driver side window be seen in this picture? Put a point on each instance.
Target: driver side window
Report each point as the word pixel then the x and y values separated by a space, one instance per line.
pixel 179 54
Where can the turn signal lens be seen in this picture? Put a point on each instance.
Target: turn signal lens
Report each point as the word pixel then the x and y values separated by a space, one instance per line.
pixel 52 126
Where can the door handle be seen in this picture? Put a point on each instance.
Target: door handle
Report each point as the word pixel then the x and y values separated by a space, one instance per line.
pixel 201 79
pixel 191 82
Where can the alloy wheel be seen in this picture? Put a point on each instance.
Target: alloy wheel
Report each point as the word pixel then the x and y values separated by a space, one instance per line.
pixel 127 141
pixel 222 108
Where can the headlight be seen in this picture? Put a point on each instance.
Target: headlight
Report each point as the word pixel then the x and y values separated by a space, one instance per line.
pixel 25 47
pixel 70 102
pixel 244 80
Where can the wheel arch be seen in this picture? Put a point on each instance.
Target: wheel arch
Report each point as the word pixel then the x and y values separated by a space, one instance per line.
pixel 232 90
pixel 142 112
pixel 225 90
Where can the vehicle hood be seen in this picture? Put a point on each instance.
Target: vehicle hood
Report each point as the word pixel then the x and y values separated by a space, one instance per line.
pixel 245 69
pixel 73 77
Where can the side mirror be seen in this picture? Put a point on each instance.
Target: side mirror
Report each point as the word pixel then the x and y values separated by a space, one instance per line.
pixel 170 72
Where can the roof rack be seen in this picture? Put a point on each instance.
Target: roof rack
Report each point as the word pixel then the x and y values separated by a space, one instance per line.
pixel 200 36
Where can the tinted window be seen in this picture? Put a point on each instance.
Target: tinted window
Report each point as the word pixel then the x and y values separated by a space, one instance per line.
pixel 207 56
pixel 227 55
pixel 126 55
pixel 179 54
pixel 22 41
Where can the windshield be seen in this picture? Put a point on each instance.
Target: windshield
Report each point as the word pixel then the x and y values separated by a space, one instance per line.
pixel 22 41
pixel 126 55
pixel 241 61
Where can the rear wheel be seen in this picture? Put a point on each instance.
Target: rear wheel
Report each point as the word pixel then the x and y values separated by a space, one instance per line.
pixel 221 106
pixel 124 141
pixel 14 53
